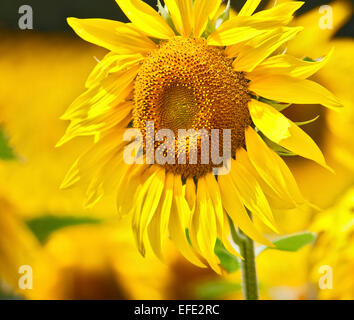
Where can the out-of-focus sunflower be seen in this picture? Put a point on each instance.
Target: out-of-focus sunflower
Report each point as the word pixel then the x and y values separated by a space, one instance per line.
pixel 333 132
pixel 38 167
pixel 284 275
pixel 287 275
pixel 335 248
pixel 178 71
pixel 97 262
pixel 33 178
pixel 30 105
pixel 80 262
pixel 18 246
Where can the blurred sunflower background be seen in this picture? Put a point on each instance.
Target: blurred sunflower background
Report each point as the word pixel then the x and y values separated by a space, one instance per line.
pixel 77 253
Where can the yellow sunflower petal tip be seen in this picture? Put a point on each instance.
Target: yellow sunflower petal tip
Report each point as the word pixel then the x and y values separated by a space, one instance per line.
pixel 64 139
pixel 276 228
pixel 72 22
pixel 330 169
pixel 61 142
pixel 270 244
pixel 315 207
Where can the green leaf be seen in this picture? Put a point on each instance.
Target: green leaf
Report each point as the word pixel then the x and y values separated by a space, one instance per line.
pixel 277 148
pixel 306 122
pixel 209 29
pixel 6 152
pixel 275 104
pixel 9 296
pixel 291 243
pixel 7 293
pixel 307 59
pixel 227 260
pixel 43 227
pixel 188 237
pixel 216 289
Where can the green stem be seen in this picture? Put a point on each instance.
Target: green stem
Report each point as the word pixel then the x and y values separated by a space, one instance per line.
pixel 248 265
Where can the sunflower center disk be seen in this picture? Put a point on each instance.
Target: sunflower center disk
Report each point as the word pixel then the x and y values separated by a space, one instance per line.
pixel 188 85
pixel 179 107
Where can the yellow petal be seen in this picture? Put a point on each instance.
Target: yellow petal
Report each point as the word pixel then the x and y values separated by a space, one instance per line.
pixel 314 39
pixel 204 10
pixel 120 115
pixel 337 77
pixel 272 169
pixel 250 57
pixel 166 205
pixel 178 223
pixel 251 194
pixel 181 12
pixel 94 193
pixel 101 70
pixel 282 11
pixel 234 207
pixel 273 126
pixel 112 63
pixel 127 188
pixel 284 132
pixel 146 19
pixel 99 99
pixel 223 227
pixel 125 62
pixel 154 232
pixel 234 50
pixel 112 35
pixel 239 29
pixel 158 227
pixel 289 65
pixel 226 238
pixel 284 88
pixel 278 199
pixel 147 203
pixel 214 193
pixel 204 228
pixel 96 126
pixel 72 176
pixel 191 193
pixel 249 7
pixel 93 167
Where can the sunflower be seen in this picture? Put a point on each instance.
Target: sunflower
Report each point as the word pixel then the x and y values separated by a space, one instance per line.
pixel 82 263
pixel 335 248
pixel 333 131
pixel 18 246
pixel 78 262
pixel 183 68
pixel 38 166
